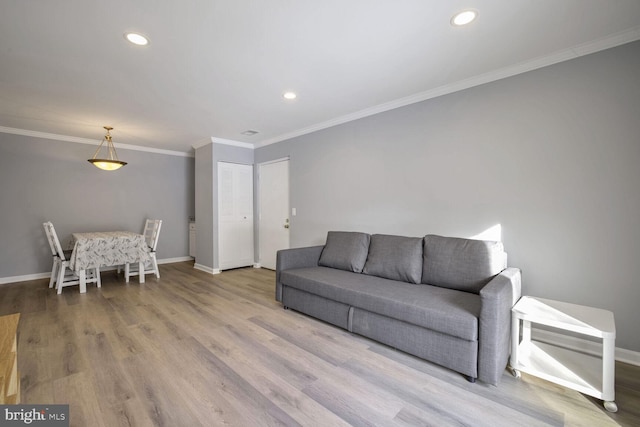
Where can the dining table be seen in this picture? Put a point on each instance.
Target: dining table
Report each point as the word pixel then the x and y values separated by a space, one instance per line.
pixel 106 248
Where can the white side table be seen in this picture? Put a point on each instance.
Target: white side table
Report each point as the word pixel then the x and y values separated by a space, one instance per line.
pixel 587 374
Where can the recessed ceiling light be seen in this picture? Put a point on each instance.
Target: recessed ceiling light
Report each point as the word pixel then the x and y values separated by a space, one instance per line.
pixel 289 95
pixel 136 38
pixel 249 132
pixel 463 18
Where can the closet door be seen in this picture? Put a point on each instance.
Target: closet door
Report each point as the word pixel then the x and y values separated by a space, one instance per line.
pixel 235 215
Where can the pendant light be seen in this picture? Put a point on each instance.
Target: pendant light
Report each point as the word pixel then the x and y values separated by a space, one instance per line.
pixel 111 163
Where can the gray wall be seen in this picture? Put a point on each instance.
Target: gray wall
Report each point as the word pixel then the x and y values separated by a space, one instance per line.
pixel 552 156
pixel 46 180
pixel 207 158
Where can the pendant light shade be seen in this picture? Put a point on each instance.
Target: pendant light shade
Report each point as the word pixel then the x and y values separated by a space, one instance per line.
pixel 111 162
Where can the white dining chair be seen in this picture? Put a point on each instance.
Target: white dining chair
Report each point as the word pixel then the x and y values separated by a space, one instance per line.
pixel 61 274
pixel 54 254
pixel 151 234
pixel 57 262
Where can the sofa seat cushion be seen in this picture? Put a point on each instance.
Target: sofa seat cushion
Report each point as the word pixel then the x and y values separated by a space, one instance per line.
pixel 440 309
pixel 395 258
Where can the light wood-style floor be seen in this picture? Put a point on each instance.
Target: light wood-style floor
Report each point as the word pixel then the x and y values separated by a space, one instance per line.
pixel 194 349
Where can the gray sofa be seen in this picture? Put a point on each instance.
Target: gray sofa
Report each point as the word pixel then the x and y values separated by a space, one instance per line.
pixel 447 300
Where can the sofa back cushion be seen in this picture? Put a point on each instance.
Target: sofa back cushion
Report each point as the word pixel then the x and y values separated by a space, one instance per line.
pixel 461 264
pixel 345 250
pixel 395 258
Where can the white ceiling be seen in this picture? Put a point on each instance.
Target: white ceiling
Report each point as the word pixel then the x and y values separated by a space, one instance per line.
pixel 216 68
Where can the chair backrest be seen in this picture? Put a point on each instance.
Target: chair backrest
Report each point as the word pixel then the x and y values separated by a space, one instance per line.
pixel 54 239
pixel 47 231
pixel 152 232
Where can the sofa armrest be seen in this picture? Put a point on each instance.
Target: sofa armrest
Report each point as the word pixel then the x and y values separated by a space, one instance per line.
pixel 295 258
pixel 497 298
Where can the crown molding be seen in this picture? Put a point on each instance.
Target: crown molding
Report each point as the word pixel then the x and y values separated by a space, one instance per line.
pixel 614 40
pixel 75 139
pixel 216 140
pixel 201 143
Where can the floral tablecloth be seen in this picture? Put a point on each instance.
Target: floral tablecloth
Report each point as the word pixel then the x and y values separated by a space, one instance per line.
pixel 107 248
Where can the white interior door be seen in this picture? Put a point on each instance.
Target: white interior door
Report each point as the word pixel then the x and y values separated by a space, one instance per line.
pixel 273 182
pixel 235 215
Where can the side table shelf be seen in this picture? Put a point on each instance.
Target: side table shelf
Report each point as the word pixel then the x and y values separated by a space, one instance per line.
pixel 591 375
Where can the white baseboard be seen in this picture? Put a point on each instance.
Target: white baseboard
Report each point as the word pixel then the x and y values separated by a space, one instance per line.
pixel 584 346
pixel 25 278
pixel 38 276
pixel 257 265
pixel 206 269
pixel 172 260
